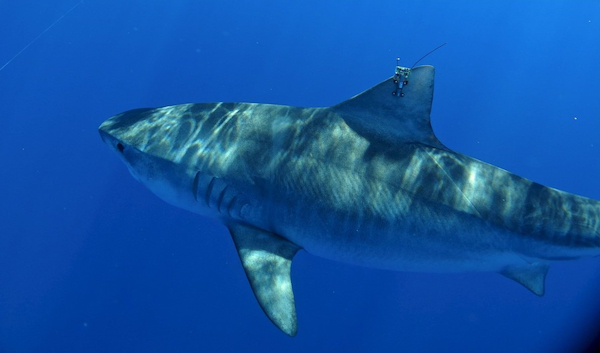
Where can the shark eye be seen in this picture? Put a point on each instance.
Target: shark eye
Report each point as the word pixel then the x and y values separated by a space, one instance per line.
pixel 120 147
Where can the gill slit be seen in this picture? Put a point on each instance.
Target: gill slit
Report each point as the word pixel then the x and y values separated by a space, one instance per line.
pixel 209 188
pixel 195 186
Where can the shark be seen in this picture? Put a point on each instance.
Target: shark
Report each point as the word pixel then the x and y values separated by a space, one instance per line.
pixel 365 182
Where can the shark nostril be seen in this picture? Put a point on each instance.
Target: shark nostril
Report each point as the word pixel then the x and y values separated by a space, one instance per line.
pixel 120 147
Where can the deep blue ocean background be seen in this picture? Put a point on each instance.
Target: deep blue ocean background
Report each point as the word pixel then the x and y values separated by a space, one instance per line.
pixel 91 261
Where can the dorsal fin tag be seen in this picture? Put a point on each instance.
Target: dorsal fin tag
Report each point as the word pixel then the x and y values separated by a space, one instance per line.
pixel 400 78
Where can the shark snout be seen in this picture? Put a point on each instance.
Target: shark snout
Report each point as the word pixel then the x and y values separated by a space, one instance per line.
pixel 110 140
pixel 117 147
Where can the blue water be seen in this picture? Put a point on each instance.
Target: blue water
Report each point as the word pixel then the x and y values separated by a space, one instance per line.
pixel 92 261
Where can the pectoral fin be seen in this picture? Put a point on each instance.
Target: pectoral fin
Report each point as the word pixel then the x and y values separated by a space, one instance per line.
pixel 267 260
pixel 531 276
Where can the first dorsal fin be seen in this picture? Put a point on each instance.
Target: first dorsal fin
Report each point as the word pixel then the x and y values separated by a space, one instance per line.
pixel 267 260
pixel 397 109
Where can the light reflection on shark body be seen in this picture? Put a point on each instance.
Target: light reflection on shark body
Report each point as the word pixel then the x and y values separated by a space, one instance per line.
pixel 364 182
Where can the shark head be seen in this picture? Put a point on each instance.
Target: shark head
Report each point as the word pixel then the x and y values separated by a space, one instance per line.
pixel 142 140
pixel 187 155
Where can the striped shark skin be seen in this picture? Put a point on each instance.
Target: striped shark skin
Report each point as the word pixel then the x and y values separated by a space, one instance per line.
pixel 364 182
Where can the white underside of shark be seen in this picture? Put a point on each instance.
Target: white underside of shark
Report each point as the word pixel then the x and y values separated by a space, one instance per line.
pixel 364 182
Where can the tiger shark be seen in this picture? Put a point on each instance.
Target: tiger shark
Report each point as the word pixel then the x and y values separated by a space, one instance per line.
pixel 364 182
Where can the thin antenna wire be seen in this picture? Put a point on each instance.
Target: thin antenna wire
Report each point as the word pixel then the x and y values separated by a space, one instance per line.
pixel 424 56
pixel 41 34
